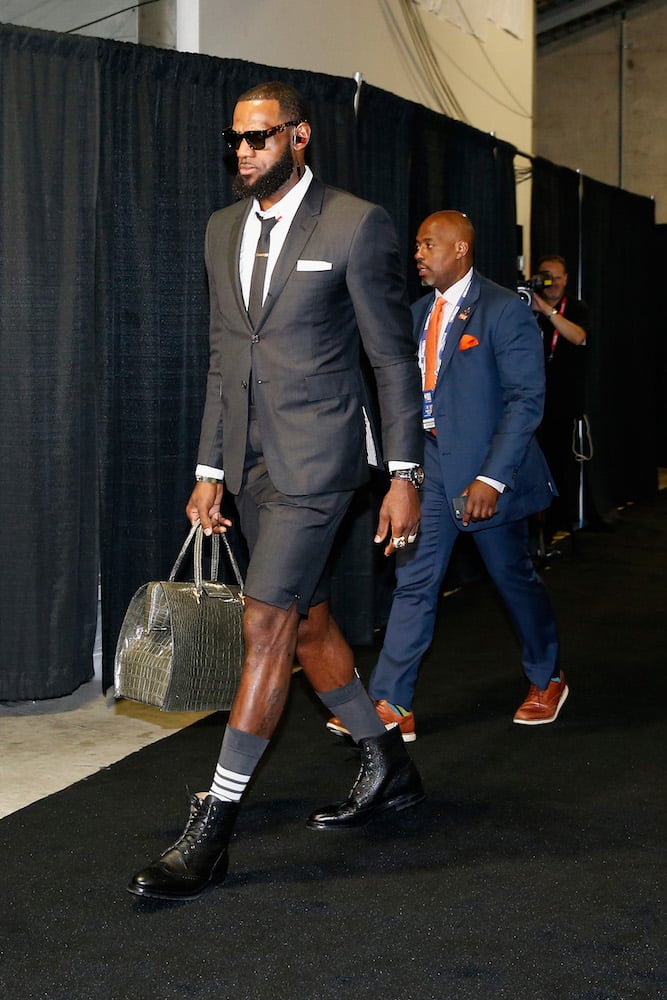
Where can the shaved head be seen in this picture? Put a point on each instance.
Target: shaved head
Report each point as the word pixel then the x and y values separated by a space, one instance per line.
pixel 444 251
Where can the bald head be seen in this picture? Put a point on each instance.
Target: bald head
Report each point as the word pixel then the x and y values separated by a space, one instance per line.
pixel 444 251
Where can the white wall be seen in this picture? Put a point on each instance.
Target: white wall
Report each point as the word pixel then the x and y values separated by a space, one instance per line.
pixel 489 74
pixel 491 78
pixel 342 37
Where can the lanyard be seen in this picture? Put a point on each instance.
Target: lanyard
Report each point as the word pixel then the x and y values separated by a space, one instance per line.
pixel 428 419
pixel 443 336
pixel 554 338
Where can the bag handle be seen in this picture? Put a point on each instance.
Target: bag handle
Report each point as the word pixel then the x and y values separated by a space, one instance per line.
pixel 197 533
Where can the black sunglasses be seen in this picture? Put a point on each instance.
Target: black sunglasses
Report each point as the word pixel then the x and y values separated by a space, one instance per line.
pixel 256 139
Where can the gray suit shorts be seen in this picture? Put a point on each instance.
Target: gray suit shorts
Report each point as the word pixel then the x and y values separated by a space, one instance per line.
pixel 289 537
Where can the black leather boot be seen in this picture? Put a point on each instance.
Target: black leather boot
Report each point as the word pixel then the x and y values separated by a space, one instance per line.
pixel 197 859
pixel 387 780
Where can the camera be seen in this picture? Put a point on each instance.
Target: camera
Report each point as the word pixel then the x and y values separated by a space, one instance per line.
pixel 537 283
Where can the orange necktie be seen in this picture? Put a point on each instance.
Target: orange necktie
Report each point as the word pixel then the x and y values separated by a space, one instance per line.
pixel 431 347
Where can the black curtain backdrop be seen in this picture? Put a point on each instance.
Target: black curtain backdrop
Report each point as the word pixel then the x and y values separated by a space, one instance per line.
pixel 457 167
pixel 555 223
pixel 598 229
pixel 111 163
pixel 480 182
pixel 659 257
pixel 385 130
pixel 619 286
pixel 48 490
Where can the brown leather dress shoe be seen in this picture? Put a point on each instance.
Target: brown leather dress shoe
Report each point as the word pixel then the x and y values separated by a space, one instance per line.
pixel 540 706
pixel 405 722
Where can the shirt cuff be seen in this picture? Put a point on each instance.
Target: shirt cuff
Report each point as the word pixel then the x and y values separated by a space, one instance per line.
pixel 208 470
pixel 492 482
pixel 393 466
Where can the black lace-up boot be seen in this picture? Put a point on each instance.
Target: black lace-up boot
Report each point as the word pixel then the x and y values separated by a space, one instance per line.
pixel 197 859
pixel 387 780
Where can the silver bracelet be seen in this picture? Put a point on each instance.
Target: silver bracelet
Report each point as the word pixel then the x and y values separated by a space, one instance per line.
pixel 208 479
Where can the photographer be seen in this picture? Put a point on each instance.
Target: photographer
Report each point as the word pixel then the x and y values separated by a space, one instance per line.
pixel 563 321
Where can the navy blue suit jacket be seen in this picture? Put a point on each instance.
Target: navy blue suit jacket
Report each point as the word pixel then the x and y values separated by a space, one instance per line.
pixel 489 398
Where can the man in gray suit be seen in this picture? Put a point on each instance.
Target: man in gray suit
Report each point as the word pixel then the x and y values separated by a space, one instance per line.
pixel 301 276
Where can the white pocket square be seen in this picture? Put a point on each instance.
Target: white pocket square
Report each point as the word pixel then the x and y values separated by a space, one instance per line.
pixel 314 265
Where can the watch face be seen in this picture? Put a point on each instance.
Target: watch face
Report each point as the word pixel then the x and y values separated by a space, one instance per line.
pixel 418 475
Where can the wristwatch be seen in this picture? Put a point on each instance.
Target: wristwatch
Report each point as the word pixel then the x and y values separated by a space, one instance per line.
pixel 553 312
pixel 415 475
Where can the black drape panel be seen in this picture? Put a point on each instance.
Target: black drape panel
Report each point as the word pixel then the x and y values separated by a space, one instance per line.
pixel 480 182
pixel 659 258
pixel 457 167
pixel 429 191
pixel 619 289
pixel 555 216
pixel 48 492
pixel 161 174
pixel 386 126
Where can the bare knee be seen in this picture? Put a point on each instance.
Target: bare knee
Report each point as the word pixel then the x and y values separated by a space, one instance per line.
pixel 266 627
pixel 316 628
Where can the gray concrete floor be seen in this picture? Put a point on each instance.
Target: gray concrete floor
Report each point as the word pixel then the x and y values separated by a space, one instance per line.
pixel 48 745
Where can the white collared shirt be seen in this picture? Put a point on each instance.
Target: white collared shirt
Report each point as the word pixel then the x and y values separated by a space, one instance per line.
pixel 284 210
pixel 453 297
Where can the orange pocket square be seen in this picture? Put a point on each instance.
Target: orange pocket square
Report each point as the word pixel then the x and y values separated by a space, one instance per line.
pixel 467 341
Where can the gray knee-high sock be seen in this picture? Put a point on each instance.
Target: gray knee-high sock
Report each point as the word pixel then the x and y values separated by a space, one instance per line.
pixel 239 755
pixel 353 706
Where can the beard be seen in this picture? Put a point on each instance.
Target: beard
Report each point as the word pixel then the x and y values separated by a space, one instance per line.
pixel 268 183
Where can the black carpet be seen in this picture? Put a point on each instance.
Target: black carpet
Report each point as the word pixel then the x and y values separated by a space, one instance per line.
pixel 535 868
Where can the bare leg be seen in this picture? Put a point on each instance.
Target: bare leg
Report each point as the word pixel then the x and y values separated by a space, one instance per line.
pixel 270 636
pixel 322 652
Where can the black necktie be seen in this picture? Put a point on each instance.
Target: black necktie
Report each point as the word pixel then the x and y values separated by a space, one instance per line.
pixel 259 269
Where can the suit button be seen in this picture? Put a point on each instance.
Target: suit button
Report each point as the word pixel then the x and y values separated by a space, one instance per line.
pixel 244 384
pixel 255 339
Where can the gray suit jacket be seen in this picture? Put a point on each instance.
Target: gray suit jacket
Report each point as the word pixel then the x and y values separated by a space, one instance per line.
pixel 337 284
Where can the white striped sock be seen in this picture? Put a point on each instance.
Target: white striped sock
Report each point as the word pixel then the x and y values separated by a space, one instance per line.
pixel 228 785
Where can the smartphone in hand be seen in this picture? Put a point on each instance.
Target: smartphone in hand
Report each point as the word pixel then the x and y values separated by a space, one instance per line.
pixel 459 505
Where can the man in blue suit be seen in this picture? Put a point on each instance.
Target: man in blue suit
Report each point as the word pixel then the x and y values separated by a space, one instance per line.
pixel 483 372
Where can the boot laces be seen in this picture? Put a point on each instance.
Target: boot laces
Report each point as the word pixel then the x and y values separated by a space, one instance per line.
pixel 366 767
pixel 192 833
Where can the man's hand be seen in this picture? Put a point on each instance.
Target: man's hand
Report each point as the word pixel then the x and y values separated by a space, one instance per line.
pixel 482 502
pixel 400 514
pixel 204 506
pixel 541 305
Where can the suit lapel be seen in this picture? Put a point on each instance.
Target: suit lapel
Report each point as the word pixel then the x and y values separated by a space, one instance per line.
pixel 464 313
pixel 234 255
pixel 303 225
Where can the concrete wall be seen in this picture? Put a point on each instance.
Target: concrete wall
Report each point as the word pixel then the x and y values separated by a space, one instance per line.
pixel 601 103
